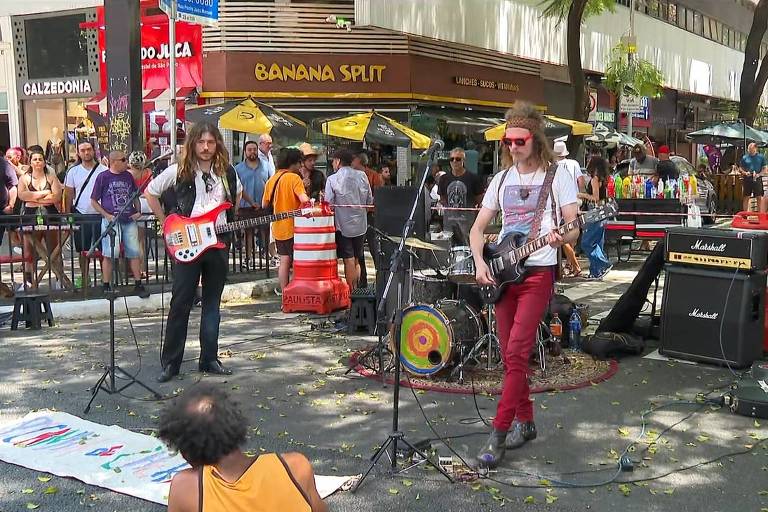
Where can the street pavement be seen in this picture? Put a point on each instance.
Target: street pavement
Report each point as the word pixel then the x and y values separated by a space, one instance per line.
pixel 290 379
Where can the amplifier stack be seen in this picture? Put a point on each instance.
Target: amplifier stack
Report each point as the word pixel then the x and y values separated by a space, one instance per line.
pixel 714 296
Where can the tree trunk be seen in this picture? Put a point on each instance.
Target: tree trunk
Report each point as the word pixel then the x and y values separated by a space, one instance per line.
pixel 575 70
pixel 754 73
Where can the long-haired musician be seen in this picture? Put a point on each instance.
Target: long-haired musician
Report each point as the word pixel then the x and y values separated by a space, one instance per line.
pixel 202 180
pixel 526 158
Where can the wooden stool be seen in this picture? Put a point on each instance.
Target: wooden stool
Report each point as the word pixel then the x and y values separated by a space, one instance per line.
pixel 362 311
pixel 32 308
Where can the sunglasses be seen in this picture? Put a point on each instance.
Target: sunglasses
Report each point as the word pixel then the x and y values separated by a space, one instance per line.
pixel 518 141
pixel 457 159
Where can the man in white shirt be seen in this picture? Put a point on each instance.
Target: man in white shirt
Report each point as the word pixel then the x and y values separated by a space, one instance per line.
pixel 515 193
pixel 573 169
pixel 202 180
pixel 265 154
pixel 349 186
pixel 78 186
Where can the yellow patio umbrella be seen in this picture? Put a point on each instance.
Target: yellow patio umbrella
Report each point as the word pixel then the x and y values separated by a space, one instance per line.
pixel 249 116
pixel 374 127
pixel 553 127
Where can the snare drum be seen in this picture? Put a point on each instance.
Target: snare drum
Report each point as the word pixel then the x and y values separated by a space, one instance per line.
pixel 431 335
pixel 461 265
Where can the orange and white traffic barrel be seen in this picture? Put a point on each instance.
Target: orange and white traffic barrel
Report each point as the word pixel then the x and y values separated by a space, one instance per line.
pixel 315 286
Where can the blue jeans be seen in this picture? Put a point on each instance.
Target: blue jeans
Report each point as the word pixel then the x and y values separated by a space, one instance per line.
pixel 127 234
pixel 592 241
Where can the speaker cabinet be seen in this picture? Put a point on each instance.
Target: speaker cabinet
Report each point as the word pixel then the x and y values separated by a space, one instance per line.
pixel 393 205
pixel 713 316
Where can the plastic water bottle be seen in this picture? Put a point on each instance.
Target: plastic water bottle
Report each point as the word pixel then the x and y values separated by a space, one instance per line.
pixel 648 189
pixel 556 327
pixel 575 330
pixel 611 186
pixel 39 218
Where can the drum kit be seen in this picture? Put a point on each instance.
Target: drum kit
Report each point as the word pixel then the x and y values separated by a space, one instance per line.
pixel 445 325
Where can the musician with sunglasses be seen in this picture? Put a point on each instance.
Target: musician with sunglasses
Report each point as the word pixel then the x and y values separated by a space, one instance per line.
pixel 202 180
pixel 527 158
pixel 459 189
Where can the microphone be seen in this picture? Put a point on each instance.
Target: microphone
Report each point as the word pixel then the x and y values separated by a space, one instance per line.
pixel 160 157
pixel 437 145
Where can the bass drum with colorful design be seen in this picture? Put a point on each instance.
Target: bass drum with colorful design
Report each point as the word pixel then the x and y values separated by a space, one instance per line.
pixel 432 335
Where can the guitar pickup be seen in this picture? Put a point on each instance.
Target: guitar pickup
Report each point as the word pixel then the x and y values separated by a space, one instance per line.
pixel 192 235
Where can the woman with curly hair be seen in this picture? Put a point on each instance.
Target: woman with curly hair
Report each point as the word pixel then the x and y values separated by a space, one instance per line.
pixel 208 429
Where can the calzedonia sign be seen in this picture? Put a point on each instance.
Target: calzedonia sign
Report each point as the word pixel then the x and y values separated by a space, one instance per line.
pixel 73 87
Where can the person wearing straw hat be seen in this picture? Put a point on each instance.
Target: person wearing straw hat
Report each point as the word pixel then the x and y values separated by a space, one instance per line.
pixel 314 180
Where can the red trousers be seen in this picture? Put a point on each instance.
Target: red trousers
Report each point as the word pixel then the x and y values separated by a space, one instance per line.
pixel 518 314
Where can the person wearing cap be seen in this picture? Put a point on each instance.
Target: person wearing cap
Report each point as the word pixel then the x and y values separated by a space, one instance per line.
pixel 314 180
pixel 752 165
pixel 642 164
pixel 137 166
pixel 573 169
pixel 666 168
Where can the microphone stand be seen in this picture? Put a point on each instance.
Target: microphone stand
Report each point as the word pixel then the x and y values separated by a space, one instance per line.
pixel 399 267
pixel 103 384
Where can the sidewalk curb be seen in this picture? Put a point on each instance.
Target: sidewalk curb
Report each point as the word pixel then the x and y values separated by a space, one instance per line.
pixel 99 308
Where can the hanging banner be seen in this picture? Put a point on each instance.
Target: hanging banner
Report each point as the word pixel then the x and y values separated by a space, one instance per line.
pixel 101 127
pixel 156 52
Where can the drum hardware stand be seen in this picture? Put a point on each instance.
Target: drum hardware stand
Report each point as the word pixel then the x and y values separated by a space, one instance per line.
pixel 489 343
pixel 398 268
pixel 106 382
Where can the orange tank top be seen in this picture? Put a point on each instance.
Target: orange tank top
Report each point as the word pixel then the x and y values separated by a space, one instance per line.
pixel 266 485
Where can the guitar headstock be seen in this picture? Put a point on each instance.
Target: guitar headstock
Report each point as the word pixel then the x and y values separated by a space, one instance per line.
pixel 604 210
pixel 316 209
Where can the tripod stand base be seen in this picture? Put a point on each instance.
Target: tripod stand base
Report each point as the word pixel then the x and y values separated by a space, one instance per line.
pixel 393 439
pixel 110 388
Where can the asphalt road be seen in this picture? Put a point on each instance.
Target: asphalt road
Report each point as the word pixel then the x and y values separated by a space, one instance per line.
pixel 289 377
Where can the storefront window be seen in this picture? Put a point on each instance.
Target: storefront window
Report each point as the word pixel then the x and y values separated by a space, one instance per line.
pixel 43 118
pixel 56 46
pixel 79 128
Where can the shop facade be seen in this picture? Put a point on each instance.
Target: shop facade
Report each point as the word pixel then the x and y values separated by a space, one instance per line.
pixel 440 98
pixel 54 82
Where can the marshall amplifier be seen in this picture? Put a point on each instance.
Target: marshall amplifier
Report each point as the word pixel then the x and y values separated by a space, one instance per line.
pixel 714 316
pixel 717 248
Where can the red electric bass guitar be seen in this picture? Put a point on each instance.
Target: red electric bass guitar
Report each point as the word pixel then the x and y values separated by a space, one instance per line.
pixel 187 238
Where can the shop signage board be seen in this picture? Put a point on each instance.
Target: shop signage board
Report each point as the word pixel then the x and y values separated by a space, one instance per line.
pixel 632 104
pixel 70 87
pixel 592 105
pixel 202 12
pixel 155 55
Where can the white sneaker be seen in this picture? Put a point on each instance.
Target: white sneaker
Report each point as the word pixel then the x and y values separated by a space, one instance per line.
pixel 17 250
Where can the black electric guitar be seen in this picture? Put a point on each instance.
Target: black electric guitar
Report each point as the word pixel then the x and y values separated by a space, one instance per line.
pixel 507 259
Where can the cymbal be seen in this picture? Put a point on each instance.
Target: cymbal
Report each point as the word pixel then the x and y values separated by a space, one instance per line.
pixel 416 243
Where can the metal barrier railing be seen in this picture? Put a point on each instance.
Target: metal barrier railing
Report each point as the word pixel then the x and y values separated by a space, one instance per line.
pixel 51 251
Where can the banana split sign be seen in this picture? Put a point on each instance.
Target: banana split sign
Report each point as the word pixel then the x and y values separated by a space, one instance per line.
pixel 52 88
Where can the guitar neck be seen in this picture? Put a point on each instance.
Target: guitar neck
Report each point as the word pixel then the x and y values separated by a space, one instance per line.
pixel 531 247
pixel 256 221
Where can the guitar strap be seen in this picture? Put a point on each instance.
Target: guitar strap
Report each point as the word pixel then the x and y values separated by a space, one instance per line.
pixel 544 192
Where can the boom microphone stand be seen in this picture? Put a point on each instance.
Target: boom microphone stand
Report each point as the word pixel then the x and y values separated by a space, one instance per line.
pixel 398 267
pixel 106 382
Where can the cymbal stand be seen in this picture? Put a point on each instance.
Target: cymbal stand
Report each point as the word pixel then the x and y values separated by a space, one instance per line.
pixel 488 343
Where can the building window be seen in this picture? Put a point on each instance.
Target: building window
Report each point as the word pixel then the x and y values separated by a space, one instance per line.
pixel 672 14
pixel 3 102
